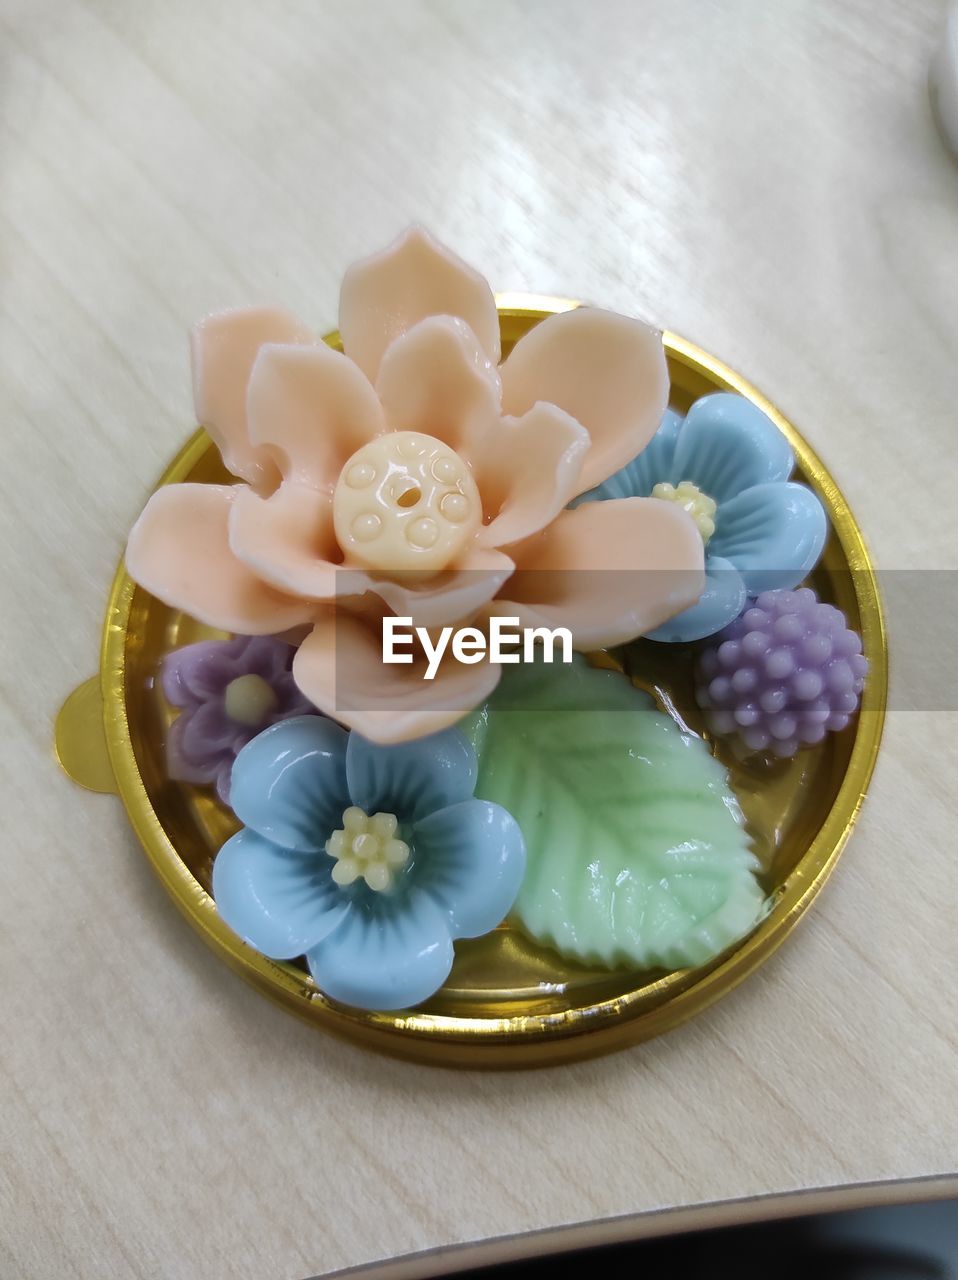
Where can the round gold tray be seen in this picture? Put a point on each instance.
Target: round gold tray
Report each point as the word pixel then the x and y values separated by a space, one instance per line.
pixel 508 1002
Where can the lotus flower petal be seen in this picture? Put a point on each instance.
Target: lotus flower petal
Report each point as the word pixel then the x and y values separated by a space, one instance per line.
pixel 527 471
pixel 340 669
pixel 383 296
pixel 224 347
pixel 609 571
pixel 313 408
pixel 179 551
pixel 438 379
pixel 444 600
pixel 639 477
pixel 287 539
pixel 605 370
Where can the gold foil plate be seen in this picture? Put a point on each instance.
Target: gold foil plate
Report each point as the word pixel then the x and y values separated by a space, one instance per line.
pixel 508 1001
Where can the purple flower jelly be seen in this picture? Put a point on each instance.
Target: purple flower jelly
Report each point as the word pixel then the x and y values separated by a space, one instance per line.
pixel 787 671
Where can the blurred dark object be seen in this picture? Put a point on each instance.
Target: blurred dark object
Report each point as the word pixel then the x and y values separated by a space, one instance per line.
pixel 899 1242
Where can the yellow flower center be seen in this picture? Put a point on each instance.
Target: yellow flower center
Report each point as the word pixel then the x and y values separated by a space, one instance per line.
pixel 367 846
pixel 405 501
pixel 249 700
pixel 690 498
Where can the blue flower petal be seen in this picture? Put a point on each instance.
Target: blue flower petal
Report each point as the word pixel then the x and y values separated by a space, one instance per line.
pixel 470 857
pixel 280 902
pixel 391 954
pixel 289 783
pixel 772 533
pixel 728 444
pixel 411 779
pixel 722 600
pixel 638 477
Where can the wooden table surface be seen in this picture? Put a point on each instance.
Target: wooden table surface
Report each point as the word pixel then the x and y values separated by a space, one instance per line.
pixel 762 178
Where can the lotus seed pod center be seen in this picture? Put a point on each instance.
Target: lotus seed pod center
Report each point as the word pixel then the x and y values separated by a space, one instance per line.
pixel 690 498
pixel 405 501
pixel 367 846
